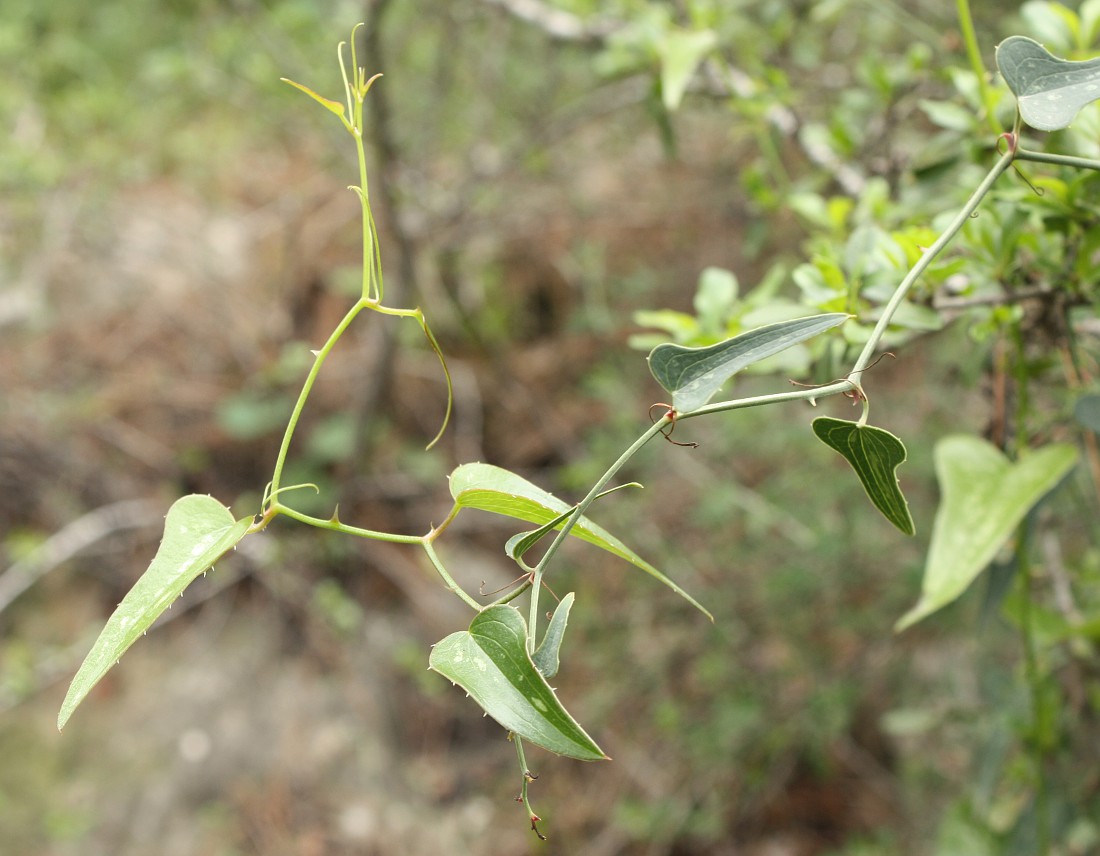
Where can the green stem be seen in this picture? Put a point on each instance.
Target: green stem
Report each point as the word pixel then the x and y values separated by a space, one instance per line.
pixel 1034 678
pixel 318 361
pixel 1057 160
pixel 855 376
pixel 974 54
pixel 582 506
pixel 1016 443
pixel 948 234
pixel 333 524
pixel 372 287
pixel 810 394
pixel 525 773
pixel 446 576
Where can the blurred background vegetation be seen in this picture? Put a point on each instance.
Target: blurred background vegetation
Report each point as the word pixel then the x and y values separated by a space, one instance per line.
pixel 175 234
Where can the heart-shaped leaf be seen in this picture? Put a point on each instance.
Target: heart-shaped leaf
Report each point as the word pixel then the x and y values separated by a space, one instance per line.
pixel 694 375
pixel 546 657
pixel 197 532
pixel 1049 91
pixel 875 455
pixel 984 498
pixel 501 491
pixel 490 661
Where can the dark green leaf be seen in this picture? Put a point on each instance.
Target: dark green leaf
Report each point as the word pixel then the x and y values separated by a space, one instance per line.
pixel 694 375
pixel 875 455
pixel 490 661
pixel 984 498
pixel 197 532
pixel 1049 91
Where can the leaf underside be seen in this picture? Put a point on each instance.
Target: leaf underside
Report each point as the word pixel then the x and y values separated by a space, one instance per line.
pixel 875 455
pixel 490 662
pixel 1050 91
pixel 694 375
pixel 197 532
pixel 984 499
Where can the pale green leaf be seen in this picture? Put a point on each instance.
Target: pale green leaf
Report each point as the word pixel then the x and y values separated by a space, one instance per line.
pixel 518 545
pixel 490 488
pixel 681 51
pixel 197 532
pixel 694 375
pixel 546 656
pixel 984 498
pixel 490 662
pixel 335 106
pixel 1049 91
pixel 875 455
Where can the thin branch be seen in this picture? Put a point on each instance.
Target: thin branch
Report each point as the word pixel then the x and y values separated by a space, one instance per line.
pixel 558 24
pixel 73 539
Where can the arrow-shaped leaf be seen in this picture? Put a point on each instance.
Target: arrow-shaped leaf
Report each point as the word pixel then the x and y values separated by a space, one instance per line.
pixel 197 532
pixel 1049 91
pixel 875 455
pixel 490 488
pixel 984 498
pixel 490 661
pixel 334 106
pixel 694 375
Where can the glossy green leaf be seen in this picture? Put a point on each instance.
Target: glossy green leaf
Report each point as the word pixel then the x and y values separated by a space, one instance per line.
pixel 197 532
pixel 984 498
pixel 694 375
pixel 875 455
pixel 490 488
pixel 546 656
pixel 681 52
pixel 1049 91
pixel 490 661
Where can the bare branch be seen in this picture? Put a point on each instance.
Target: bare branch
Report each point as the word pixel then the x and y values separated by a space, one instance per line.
pixel 77 536
pixel 557 23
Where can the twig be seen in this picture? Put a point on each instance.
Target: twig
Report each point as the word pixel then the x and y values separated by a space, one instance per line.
pixel 557 23
pixel 77 536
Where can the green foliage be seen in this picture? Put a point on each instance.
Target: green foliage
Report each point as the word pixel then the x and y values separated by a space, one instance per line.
pixel 198 531
pixel 491 662
pixel 875 455
pixel 694 375
pixel 985 497
pixel 490 488
pixel 1049 91
pixel 880 259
